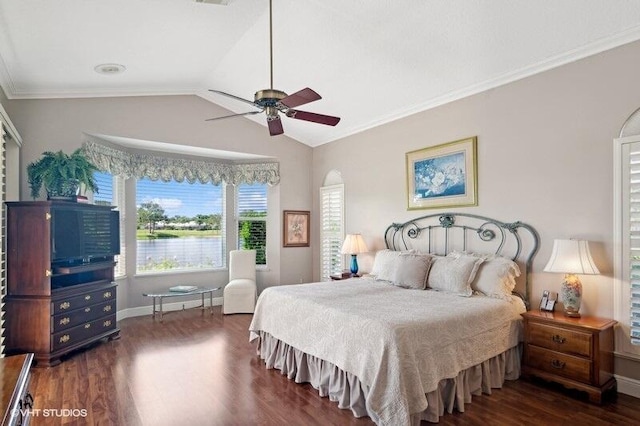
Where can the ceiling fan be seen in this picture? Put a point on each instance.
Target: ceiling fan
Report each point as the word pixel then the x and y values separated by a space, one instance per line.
pixel 273 102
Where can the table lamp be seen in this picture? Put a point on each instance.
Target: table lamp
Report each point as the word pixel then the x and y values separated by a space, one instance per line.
pixel 354 244
pixel 571 257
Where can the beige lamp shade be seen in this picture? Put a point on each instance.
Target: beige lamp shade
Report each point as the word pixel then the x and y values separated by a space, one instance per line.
pixel 354 244
pixel 571 257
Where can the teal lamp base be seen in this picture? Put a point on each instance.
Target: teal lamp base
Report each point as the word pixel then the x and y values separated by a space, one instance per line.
pixel 354 264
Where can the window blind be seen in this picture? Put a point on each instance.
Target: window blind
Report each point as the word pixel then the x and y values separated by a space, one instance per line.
pixel 252 219
pixel 3 229
pixel 331 230
pixel 634 241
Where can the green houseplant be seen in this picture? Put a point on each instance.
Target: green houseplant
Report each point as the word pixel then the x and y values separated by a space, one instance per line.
pixel 61 174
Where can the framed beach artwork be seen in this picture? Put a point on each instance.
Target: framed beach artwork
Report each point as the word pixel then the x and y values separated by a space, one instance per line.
pixel 296 228
pixel 443 175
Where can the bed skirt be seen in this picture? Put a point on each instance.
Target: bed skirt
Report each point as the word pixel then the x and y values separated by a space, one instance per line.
pixel 347 390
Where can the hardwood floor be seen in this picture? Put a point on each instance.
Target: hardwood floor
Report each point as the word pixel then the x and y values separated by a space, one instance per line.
pixel 200 369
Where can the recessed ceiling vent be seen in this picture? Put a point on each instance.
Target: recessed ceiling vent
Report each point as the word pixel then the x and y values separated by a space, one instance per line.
pixel 109 69
pixel 220 2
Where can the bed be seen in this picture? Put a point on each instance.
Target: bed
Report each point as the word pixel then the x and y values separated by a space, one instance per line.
pixel 437 321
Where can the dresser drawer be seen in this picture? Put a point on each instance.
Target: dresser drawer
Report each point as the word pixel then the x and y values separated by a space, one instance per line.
pixel 82 332
pixel 80 316
pixel 559 364
pixel 560 339
pixel 76 302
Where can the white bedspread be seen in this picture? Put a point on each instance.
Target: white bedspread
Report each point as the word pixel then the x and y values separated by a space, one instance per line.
pixel 397 341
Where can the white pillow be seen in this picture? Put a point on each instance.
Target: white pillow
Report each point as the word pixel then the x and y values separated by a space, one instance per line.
pixel 496 276
pixel 411 271
pixel 454 275
pixel 384 264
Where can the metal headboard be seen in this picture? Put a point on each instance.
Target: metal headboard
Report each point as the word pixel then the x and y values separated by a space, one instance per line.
pixel 441 233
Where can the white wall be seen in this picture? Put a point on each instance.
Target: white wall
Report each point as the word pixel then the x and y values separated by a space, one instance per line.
pixel 59 124
pixel 545 149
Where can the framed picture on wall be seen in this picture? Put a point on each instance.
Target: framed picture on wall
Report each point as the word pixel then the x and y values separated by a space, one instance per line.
pixel 296 227
pixel 443 175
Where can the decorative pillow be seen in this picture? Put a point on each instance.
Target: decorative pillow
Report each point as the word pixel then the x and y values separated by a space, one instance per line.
pixel 454 275
pixel 384 264
pixel 496 276
pixel 411 271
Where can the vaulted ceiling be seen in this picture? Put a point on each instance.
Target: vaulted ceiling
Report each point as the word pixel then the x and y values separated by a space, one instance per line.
pixel 372 61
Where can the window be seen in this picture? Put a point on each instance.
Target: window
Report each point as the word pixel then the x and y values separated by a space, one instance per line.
pixel 627 242
pixel 111 193
pixel 331 230
pixel 180 226
pixel 252 219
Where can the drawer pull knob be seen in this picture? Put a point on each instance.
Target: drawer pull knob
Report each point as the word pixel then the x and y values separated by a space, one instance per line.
pixel 558 339
pixel 107 323
pixel 65 338
pixel 87 326
pixel 87 297
pixel 107 308
pixel 65 321
pixel 65 305
pixel 87 309
pixel 107 294
pixel 557 364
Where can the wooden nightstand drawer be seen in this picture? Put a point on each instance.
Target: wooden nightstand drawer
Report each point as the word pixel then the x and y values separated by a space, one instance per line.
pixel 68 304
pixel 560 364
pixel 560 339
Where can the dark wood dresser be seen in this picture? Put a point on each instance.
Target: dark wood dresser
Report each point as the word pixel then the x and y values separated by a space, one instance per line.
pixel 575 352
pixel 55 304
pixel 15 398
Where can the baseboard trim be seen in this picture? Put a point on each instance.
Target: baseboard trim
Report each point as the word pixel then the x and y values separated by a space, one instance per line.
pixel 628 386
pixel 166 307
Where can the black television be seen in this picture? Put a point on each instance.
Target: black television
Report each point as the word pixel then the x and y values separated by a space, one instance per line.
pixel 83 235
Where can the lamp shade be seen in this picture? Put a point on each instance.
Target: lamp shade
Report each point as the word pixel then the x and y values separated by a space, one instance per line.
pixel 354 244
pixel 571 257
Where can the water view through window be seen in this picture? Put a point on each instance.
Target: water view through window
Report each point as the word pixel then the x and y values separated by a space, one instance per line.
pixel 180 226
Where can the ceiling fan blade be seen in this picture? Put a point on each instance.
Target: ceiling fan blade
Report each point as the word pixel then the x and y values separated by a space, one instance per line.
pixel 301 97
pixel 275 126
pixel 234 97
pixel 234 115
pixel 312 116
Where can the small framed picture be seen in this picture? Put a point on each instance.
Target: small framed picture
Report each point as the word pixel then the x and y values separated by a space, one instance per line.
pixel 296 228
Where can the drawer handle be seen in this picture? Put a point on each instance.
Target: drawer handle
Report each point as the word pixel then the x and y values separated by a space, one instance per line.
pixel 87 309
pixel 558 339
pixel 87 297
pixel 107 294
pixel 65 321
pixel 87 326
pixel 28 400
pixel 107 308
pixel 65 305
pixel 65 338
pixel 558 364
pixel 107 323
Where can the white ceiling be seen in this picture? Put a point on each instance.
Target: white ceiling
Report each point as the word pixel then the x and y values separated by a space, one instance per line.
pixel 372 61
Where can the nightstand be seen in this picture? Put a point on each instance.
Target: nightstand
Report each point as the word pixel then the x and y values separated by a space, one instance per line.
pixel 338 277
pixel 574 352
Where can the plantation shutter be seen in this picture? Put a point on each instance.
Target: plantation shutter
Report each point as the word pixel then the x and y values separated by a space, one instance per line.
pixel 3 229
pixel 331 230
pixel 634 239
pixel 252 220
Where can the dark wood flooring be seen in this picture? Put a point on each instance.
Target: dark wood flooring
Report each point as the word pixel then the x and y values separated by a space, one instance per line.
pixel 198 369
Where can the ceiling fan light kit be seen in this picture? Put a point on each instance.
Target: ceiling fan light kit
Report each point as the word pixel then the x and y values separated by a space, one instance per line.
pixel 273 101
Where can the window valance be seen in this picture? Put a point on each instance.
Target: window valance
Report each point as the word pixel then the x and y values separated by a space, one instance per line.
pixel 121 161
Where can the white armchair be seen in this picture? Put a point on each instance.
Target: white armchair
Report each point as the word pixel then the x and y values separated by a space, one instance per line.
pixel 240 294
